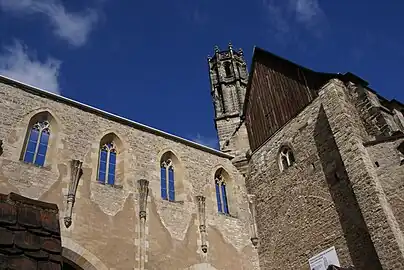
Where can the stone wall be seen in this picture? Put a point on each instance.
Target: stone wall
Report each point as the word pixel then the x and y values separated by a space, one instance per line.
pixel 378 120
pixel 389 165
pixel 297 216
pixel 105 222
pixel 331 195
pixel 381 224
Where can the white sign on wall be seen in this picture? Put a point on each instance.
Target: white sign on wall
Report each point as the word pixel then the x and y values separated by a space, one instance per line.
pixel 322 260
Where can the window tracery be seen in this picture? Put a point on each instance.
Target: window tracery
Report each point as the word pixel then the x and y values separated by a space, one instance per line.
pixel 37 144
pixel 107 163
pixel 167 180
pixel 286 158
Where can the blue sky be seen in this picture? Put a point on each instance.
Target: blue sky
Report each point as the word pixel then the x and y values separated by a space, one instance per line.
pixel 146 60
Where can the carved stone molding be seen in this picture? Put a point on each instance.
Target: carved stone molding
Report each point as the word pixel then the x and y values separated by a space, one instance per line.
pixel 75 175
pixel 1 147
pixel 202 222
pixel 143 189
pixel 254 236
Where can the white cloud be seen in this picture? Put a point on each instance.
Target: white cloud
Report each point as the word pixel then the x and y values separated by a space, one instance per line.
pixel 17 64
pixel 72 27
pixel 308 11
pixel 286 16
pixel 210 142
pixel 276 15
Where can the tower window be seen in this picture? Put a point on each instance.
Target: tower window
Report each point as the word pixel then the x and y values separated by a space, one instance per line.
pixel 221 194
pixel 167 180
pixel 227 69
pixel 37 143
pixel 107 163
pixel 286 158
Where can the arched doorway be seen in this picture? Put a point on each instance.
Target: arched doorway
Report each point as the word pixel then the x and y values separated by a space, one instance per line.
pixel 77 257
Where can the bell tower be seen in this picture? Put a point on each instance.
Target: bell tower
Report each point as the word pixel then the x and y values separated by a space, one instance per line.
pixel 228 80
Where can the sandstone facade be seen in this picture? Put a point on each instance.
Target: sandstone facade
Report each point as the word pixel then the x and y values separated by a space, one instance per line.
pixel 105 226
pixel 344 189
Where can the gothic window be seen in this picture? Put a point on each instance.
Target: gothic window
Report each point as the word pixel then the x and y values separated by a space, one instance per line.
pixel 286 158
pixel 167 180
pixel 227 69
pixel 37 143
pixel 221 193
pixel 107 163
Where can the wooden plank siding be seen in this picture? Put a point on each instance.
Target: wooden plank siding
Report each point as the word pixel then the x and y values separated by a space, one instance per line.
pixel 279 90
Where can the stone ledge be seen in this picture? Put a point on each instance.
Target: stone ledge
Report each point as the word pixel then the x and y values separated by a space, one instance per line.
pixel 384 139
pixel 47 168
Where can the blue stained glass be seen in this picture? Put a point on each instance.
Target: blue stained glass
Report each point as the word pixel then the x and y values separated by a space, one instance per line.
pixel 101 176
pixel 34 135
pixel 111 178
pixel 163 183
pixel 224 195
pixel 111 168
pixel 44 138
pixel 218 199
pixel 103 166
pixel 29 157
pixel 111 173
pixel 103 155
pixel 42 147
pixel 171 189
pixel 112 158
pixel 43 144
pixel 40 160
pixel 31 146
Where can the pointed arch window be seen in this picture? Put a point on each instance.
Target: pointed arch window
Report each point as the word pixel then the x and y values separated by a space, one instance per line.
pixel 37 143
pixel 221 194
pixel 286 158
pixel 107 163
pixel 167 180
